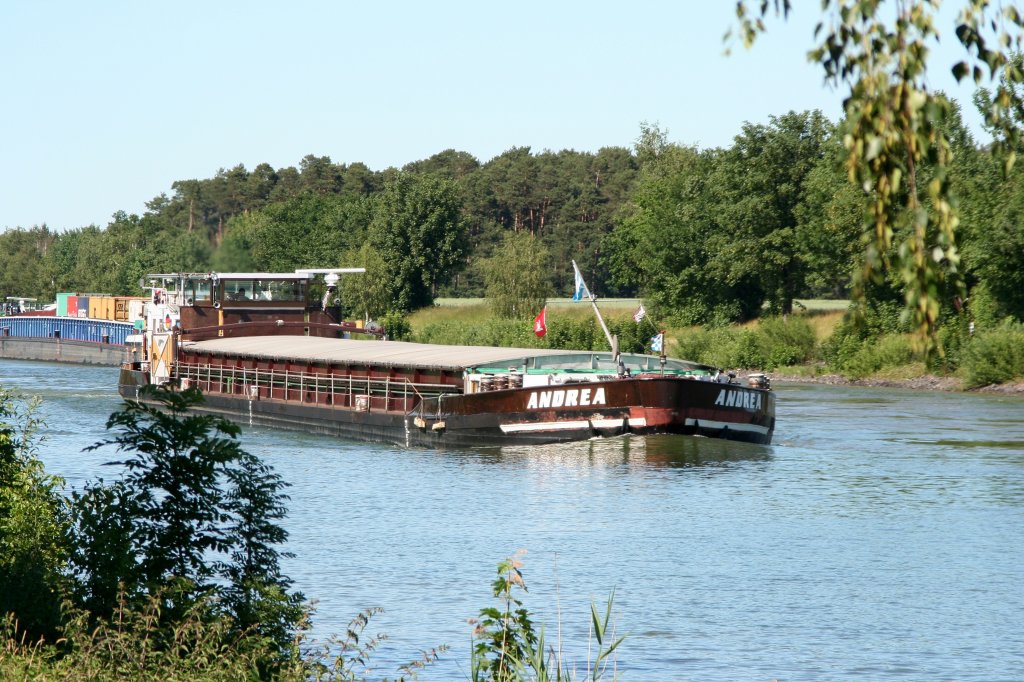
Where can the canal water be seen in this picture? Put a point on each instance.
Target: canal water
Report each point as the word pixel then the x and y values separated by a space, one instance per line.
pixel 881 536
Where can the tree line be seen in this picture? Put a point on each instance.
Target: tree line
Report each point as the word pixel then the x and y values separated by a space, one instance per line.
pixel 706 236
pixel 429 221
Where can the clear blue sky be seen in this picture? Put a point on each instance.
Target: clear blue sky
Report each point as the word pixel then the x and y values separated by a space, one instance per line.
pixel 106 103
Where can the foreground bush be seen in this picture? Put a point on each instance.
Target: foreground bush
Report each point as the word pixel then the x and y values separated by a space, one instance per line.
pixel 33 522
pixel 204 645
pixel 134 646
pixel 188 533
pixel 192 516
pixel 172 572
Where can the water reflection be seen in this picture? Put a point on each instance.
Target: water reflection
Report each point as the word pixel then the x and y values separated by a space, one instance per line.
pixel 649 451
pixel 675 451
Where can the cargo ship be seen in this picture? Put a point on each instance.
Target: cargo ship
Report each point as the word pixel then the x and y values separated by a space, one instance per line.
pixel 265 351
pixel 77 328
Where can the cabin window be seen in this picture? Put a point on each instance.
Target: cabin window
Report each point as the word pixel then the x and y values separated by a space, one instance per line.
pixel 265 290
pixel 287 290
pixel 198 290
pixel 238 290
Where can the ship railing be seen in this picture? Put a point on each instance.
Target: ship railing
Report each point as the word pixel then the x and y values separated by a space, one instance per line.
pixel 347 391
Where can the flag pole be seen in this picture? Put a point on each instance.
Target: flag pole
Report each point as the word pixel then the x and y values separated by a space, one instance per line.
pixel 661 355
pixel 593 301
pixel 657 332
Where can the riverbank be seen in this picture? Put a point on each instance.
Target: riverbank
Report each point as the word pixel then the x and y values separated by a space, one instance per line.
pixel 926 382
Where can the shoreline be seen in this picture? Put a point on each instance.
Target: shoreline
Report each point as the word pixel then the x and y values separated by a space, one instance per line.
pixel 927 382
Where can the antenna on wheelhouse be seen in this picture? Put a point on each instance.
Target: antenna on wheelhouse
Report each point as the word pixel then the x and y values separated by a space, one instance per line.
pixel 583 290
pixel 330 279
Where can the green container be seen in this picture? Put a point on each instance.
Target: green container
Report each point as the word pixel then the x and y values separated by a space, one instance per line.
pixel 62 304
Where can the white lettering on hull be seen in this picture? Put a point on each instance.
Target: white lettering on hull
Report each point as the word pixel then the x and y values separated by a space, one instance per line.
pixel 748 400
pixel 566 397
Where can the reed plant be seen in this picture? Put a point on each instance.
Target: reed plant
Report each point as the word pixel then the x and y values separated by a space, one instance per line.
pixel 508 647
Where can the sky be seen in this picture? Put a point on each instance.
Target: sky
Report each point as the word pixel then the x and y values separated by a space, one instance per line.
pixel 105 104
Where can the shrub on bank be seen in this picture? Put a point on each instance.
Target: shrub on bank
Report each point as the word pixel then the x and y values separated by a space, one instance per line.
pixel 856 350
pixel 787 341
pixel 396 326
pixel 994 357
pixel 774 343
pixel 569 332
pixel 953 340
pixel 489 332
pixel 723 346
pixel 858 358
pixel 875 354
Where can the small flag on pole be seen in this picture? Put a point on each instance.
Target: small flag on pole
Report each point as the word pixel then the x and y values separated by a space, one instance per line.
pixel 580 289
pixel 540 327
pixel 657 341
pixel 639 314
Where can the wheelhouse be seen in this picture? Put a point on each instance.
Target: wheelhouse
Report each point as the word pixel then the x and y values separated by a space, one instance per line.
pixel 232 289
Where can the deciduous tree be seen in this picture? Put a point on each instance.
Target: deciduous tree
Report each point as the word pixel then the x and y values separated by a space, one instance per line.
pixel 894 125
pixel 417 229
pixel 761 179
pixel 517 276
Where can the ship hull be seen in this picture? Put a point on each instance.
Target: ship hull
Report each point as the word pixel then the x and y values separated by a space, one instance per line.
pixel 523 415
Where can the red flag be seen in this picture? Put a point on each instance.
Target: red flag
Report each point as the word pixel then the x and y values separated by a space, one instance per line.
pixel 540 327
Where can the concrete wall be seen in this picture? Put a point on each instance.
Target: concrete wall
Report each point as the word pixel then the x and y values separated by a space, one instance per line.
pixel 61 350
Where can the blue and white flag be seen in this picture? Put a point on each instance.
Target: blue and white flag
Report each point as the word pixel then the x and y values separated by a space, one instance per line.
pixel 656 342
pixel 580 290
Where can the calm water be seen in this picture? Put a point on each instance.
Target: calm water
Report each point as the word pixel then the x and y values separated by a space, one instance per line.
pixel 880 537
